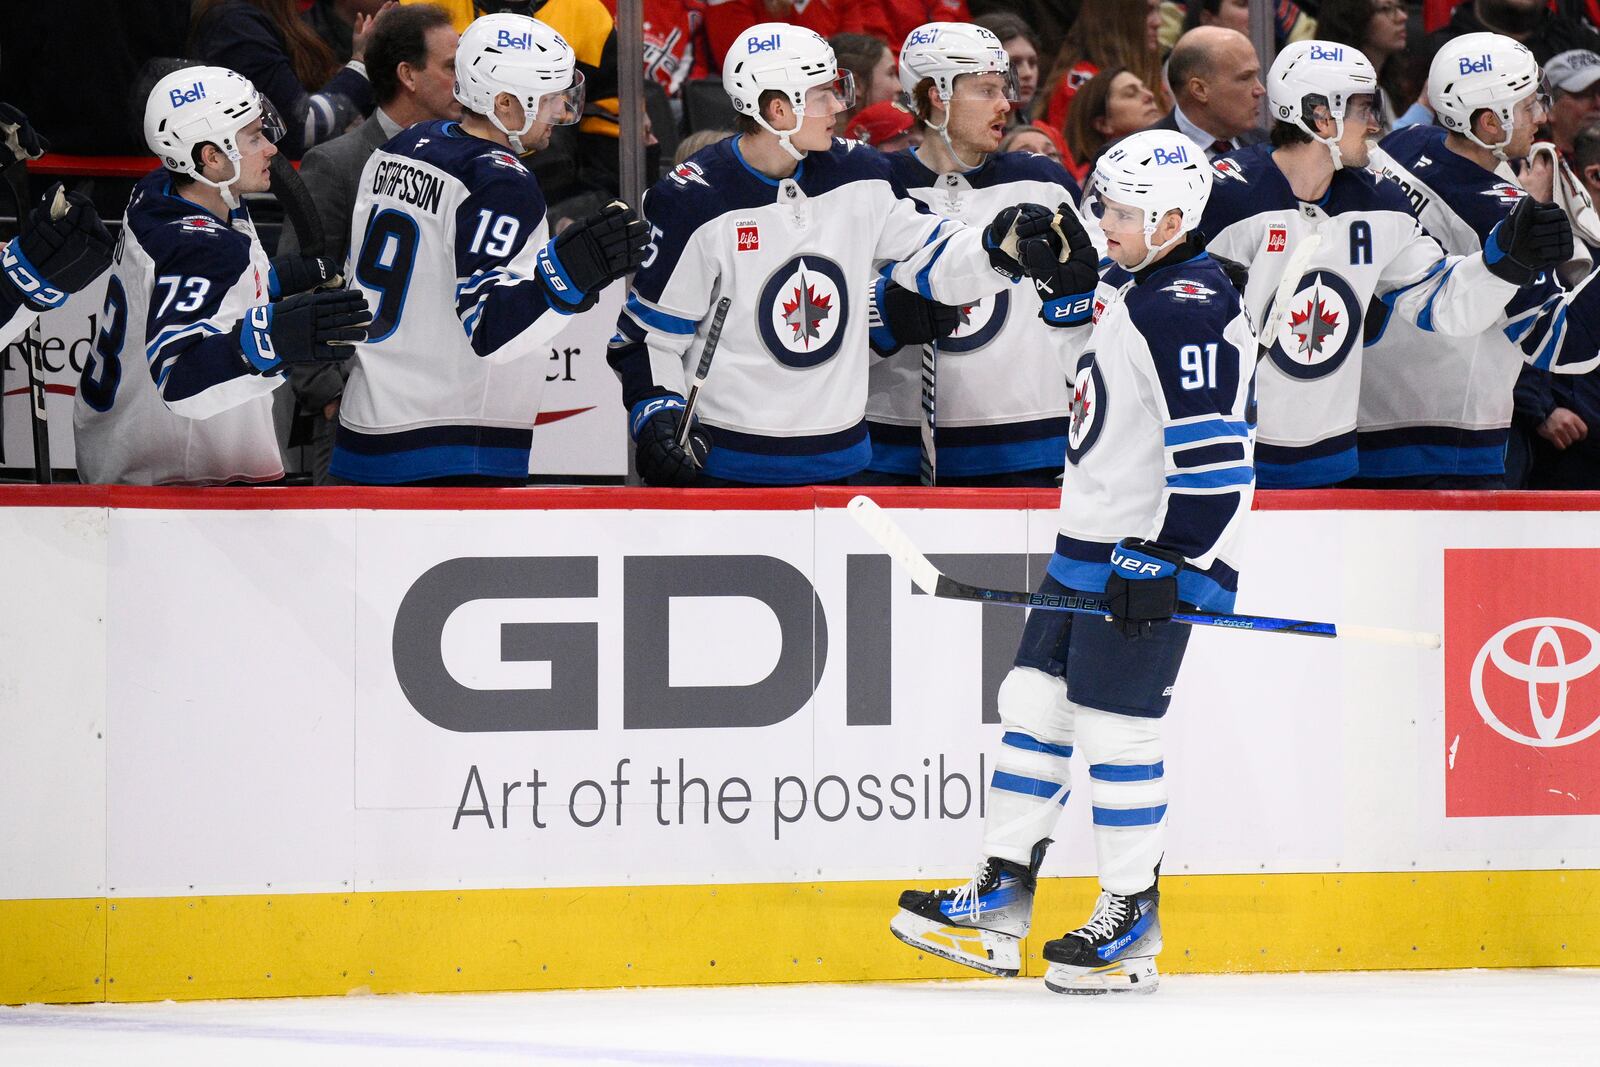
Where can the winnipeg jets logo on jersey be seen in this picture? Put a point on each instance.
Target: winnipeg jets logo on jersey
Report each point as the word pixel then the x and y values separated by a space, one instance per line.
pixel 1227 168
pixel 1321 328
pixel 1088 402
pixel 1187 290
pixel 1505 192
pixel 507 160
pixel 802 312
pixel 687 172
pixel 980 323
pixel 200 224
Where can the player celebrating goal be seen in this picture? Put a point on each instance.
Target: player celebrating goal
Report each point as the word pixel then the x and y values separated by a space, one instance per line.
pixel 193 294
pixel 1311 181
pixel 452 245
pixel 1158 481
pixel 787 224
pixel 1002 373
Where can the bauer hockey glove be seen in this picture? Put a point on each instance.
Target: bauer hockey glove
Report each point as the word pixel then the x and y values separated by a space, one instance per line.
pixel 896 316
pixel 654 425
pixel 589 255
pixel 1143 587
pixel 1064 279
pixel 18 140
pixel 63 248
pixel 1012 226
pixel 293 274
pixel 1534 238
pixel 308 328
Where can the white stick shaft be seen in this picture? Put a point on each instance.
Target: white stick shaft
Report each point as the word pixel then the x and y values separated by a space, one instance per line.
pixel 1384 636
pixel 887 533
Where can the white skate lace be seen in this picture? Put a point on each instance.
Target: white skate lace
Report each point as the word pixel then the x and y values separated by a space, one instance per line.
pixel 969 898
pixel 1109 911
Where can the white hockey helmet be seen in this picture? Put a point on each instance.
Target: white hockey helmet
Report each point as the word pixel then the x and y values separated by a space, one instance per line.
pixel 778 57
pixel 1333 72
pixel 514 54
pixel 194 106
pixel 1477 72
pixel 1153 172
pixel 944 51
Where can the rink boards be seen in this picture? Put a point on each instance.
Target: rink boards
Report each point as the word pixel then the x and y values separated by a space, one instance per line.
pixel 289 742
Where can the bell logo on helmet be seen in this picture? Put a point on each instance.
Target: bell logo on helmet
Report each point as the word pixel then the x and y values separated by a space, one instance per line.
pixel 764 44
pixel 1165 157
pixel 180 97
pixel 1330 55
pixel 519 41
pixel 1482 65
pixel 922 36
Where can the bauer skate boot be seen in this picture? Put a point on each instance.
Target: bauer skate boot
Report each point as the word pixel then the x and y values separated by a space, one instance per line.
pixel 980 924
pixel 1114 952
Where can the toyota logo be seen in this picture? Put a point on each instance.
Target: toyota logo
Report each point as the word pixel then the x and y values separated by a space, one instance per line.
pixel 1547 726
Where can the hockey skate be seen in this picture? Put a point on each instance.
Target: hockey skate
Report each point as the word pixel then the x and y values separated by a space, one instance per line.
pixel 1114 952
pixel 980 924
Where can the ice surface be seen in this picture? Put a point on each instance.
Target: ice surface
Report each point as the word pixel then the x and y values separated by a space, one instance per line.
pixel 1509 1017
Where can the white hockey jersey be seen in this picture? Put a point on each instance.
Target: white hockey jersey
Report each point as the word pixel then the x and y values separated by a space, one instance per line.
pixel 1372 249
pixel 786 395
pixel 1002 400
pixel 1433 405
pixel 193 413
pixel 1163 428
pixel 444 241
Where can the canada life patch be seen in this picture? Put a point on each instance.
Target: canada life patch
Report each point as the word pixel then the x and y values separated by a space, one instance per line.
pixel 747 238
pixel 1277 239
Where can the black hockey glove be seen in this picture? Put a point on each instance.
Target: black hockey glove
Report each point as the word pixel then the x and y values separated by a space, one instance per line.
pixel 1064 280
pixel 1534 238
pixel 18 140
pixel 293 274
pixel 63 248
pixel 1143 587
pixel 589 255
pixel 657 454
pixel 897 317
pixel 308 328
pixel 1012 226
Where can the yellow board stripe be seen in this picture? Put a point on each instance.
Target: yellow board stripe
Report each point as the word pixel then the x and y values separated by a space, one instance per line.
pixel 332 943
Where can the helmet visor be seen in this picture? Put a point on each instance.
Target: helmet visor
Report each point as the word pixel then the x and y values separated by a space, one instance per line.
pixel 986 87
pixel 832 97
pixel 1114 217
pixel 273 127
pixel 565 106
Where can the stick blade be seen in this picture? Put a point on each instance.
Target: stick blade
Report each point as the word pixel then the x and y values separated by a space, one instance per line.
pixel 1383 636
pixel 884 530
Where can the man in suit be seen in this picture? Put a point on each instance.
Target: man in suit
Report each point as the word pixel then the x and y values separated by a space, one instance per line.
pixel 411 63
pixel 1215 79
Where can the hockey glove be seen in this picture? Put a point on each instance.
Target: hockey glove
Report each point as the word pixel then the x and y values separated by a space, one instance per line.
pixel 293 274
pixel 1012 226
pixel 899 317
pixel 1143 587
pixel 1534 238
pixel 589 255
pixel 63 248
pixel 1066 280
pixel 660 460
pixel 308 328
pixel 18 140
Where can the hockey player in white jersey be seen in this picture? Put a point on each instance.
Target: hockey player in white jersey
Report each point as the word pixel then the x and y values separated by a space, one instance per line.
pixel 788 224
pixel 1002 373
pixel 1158 482
pixel 1310 179
pixel 51 259
pixel 451 243
pixel 1436 411
pixel 194 295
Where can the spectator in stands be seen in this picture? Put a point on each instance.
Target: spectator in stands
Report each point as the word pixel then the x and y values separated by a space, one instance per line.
pixel 1032 140
pixel 1022 45
pixel 887 126
pixel 674 35
pixel 1574 78
pixel 265 41
pixel 1229 14
pixel 1047 20
pixel 1378 29
pixel 1112 105
pixel 727 19
pixel 1290 23
pixel 1545 32
pixel 1216 89
pixel 1108 33
pixel 697 140
pixel 335 22
pixel 871 63
pixel 411 61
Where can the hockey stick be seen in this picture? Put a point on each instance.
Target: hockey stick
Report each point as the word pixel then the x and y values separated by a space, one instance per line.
pixel 929 579
pixel 298 207
pixel 928 468
pixel 33 339
pixel 1292 273
pixel 713 335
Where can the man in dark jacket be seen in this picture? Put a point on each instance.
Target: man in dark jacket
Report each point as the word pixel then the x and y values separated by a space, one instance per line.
pixel 1545 32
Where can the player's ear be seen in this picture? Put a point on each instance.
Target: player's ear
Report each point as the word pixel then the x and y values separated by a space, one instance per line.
pixel 406 75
